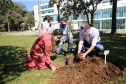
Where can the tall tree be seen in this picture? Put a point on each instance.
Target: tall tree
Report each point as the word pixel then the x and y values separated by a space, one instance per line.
pixel 19 13
pixel 92 6
pixel 81 6
pixel 16 20
pixel 114 9
pixel 57 2
pixel 5 6
pixel 29 19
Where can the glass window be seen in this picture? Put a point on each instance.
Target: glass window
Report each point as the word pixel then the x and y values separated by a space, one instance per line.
pixel 97 14
pixel 121 12
pixel 105 1
pixel 42 7
pixel 120 23
pixel 42 12
pixel 106 13
pixel 43 18
pixel 51 18
pixel 61 5
pixel 97 24
pixel 51 6
pixel 106 24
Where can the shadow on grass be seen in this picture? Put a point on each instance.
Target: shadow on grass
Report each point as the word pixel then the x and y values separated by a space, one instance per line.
pixel 53 57
pixel 117 46
pixel 11 62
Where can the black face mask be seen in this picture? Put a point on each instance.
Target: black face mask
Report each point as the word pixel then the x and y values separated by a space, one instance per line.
pixel 63 25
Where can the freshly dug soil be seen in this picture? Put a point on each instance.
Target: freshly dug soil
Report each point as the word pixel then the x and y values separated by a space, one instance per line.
pixel 89 71
pixel 66 61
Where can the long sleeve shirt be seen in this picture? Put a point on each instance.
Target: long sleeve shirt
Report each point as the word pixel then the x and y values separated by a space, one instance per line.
pixel 39 57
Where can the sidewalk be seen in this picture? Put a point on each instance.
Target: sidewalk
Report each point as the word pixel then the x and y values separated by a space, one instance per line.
pixel 120 31
pixel 22 33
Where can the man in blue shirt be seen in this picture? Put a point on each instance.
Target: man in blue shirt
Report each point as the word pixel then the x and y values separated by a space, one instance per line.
pixel 67 35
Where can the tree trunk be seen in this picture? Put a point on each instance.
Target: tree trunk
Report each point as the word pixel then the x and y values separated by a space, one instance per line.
pixel 13 27
pixel 7 21
pixel 87 17
pixel 92 16
pixel 58 13
pixel 114 9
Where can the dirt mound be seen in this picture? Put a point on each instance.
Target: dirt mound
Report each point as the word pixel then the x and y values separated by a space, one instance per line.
pixel 89 71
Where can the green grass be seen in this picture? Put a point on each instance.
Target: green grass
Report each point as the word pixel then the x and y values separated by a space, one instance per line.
pixel 13 51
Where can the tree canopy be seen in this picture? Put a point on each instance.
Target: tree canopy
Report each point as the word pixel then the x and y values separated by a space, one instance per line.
pixel 14 16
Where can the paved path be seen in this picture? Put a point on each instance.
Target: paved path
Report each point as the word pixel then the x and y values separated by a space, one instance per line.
pixel 22 33
pixel 37 33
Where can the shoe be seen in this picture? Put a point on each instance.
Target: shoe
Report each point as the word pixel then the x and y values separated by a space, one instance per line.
pixel 97 53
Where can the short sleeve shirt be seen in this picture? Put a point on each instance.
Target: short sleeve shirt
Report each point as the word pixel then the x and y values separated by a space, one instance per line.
pixel 45 25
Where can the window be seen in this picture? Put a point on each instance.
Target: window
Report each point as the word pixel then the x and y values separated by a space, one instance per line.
pixel 120 23
pixel 42 12
pixel 51 18
pixel 50 6
pixel 106 13
pixel 97 14
pixel 51 11
pixel 105 1
pixel 42 7
pixel 61 5
pixel 121 12
pixel 97 24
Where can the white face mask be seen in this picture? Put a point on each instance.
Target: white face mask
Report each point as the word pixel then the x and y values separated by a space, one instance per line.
pixel 86 33
pixel 56 39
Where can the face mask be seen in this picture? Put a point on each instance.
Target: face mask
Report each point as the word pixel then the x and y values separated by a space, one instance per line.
pixel 86 33
pixel 56 39
pixel 63 25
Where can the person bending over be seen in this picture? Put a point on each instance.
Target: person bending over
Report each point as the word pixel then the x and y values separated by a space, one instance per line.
pixel 39 57
pixel 89 37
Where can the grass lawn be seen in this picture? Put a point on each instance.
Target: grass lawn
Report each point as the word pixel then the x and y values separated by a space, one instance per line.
pixel 13 51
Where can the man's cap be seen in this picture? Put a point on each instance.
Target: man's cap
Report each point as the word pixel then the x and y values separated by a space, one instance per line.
pixel 84 26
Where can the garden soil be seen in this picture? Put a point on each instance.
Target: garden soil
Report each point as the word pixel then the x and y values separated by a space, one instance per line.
pixel 88 71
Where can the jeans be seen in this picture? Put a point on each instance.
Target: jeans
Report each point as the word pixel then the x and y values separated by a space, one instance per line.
pixel 98 48
pixel 66 40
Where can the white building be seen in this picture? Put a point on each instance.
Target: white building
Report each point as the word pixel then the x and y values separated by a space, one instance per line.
pixel 102 16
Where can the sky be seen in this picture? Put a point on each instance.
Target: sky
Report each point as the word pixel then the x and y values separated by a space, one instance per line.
pixel 30 3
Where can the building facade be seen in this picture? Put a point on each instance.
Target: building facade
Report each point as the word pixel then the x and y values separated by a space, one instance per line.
pixel 102 16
